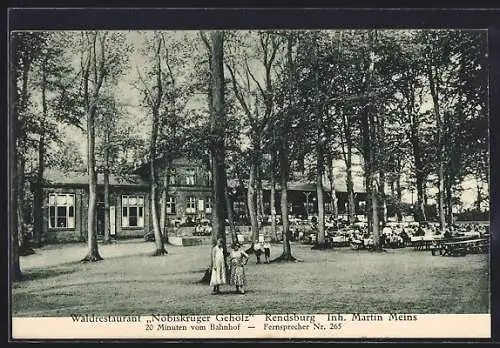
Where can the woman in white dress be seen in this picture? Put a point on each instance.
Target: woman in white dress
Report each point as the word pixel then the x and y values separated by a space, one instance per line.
pixel 218 267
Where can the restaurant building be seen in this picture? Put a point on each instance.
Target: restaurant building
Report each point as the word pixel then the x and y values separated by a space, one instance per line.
pixel 65 200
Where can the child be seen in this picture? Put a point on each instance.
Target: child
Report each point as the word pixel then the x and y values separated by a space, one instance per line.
pixel 267 251
pixel 258 251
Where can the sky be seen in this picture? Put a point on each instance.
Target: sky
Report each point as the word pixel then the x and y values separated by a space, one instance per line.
pixel 129 96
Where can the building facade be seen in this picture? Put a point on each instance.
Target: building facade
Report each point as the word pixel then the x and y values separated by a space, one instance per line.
pixel 64 206
pixel 189 199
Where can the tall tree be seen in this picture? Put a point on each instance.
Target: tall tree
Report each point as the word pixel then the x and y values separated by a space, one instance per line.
pixel 103 58
pixel 26 49
pixel 283 120
pixel 247 87
pixel 369 133
pixel 53 80
pixel 218 119
pixel 408 79
pixel 154 94
pixel 217 112
pixel 114 138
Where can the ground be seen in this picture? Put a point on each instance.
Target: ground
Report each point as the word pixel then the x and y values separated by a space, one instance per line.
pixel 130 281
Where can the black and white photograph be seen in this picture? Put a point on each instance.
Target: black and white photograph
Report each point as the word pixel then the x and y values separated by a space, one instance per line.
pixel 182 174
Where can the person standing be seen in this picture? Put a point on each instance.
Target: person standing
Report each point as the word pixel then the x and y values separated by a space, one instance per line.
pixel 218 267
pixel 267 251
pixel 258 251
pixel 238 260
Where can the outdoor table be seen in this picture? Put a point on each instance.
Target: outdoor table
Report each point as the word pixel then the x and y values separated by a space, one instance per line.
pixel 340 240
pixel 423 242
pixel 462 247
pixel 356 244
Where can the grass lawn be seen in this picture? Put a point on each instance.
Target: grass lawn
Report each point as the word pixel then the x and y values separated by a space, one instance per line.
pixel 342 280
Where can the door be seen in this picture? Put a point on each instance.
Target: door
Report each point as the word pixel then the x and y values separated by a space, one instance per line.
pixel 112 220
pixel 100 219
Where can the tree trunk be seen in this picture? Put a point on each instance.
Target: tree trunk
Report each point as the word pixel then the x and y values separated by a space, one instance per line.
pixel 374 190
pixel 369 200
pixel 15 108
pixel 347 154
pixel 479 196
pixel 375 217
pixel 449 203
pixel 283 161
pixel 229 211
pixel 163 207
pixel 17 230
pixel 260 204
pixel 321 202
pixel 382 202
pixel 24 245
pixel 107 224
pixel 398 199
pixel 442 216
pixel 218 123
pixel 333 193
pixel 107 220
pixel 38 194
pixel 230 217
pixel 273 199
pixel 251 202
pixel 351 208
pixel 163 203
pixel 160 246
pixel 93 252
pixel 370 133
pixel 380 136
pixel 434 89
pixel 421 214
pixel 24 248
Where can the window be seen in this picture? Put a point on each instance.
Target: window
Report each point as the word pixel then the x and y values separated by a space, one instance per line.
pixel 172 178
pixel 61 210
pixel 171 205
pixel 132 211
pixel 208 205
pixel 191 205
pixel 201 205
pixel 190 177
pixel 239 206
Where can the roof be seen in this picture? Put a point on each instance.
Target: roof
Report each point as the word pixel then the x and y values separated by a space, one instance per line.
pixel 177 162
pixel 55 177
pixel 339 184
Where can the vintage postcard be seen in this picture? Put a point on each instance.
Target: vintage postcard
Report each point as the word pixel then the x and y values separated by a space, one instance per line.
pixel 249 184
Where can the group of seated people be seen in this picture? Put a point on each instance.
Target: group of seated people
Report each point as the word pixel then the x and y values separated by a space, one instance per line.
pixel 467 230
pixel 202 228
pixel 398 235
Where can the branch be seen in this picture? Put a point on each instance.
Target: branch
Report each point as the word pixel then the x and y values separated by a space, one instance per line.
pixel 86 71
pixel 159 82
pixel 146 90
pixel 94 57
pixel 206 41
pixel 102 70
pixel 167 59
pixel 238 93
pixel 264 44
pixel 255 80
